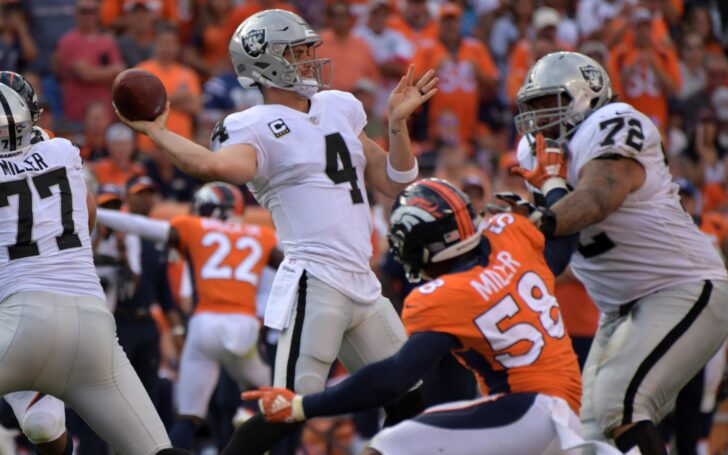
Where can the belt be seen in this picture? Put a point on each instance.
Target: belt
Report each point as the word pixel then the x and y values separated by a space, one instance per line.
pixel 134 313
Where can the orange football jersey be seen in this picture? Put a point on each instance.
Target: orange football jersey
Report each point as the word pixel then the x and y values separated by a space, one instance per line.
pixel 505 316
pixel 715 226
pixel 226 260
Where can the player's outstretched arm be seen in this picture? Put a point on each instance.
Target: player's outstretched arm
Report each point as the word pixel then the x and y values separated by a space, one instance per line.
pixel 236 164
pixel 156 230
pixel 604 184
pixel 391 172
pixel 373 386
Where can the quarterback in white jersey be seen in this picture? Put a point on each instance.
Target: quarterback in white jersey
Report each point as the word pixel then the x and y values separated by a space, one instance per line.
pixel 661 286
pixel 58 337
pixel 305 157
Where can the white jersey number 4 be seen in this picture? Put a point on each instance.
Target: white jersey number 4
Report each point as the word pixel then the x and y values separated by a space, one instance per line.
pixel 24 245
pixel 335 149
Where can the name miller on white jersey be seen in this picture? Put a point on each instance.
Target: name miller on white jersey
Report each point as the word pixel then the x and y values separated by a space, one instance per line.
pixel 310 177
pixel 649 243
pixel 44 236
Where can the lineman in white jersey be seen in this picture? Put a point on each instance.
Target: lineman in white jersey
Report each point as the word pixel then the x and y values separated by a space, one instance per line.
pixel 58 337
pixel 661 286
pixel 41 417
pixel 305 157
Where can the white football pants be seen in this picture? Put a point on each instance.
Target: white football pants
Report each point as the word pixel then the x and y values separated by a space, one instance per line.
pixel 66 346
pixel 640 361
pixel 215 339
pixel 326 324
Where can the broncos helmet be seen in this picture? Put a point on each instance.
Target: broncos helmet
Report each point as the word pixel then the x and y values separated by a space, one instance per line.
pixel 258 52
pixel 218 200
pixel 431 221
pixel 16 122
pixel 24 89
pixel 579 84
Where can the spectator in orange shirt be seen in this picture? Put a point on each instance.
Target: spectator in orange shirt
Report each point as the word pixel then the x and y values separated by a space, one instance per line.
pixel 415 23
pixel 349 54
pixel 246 9
pixel 119 166
pixel 621 30
pixel 88 61
pixel 645 73
pixel 528 50
pixel 180 81
pixel 208 52
pixel 112 11
pixel 467 75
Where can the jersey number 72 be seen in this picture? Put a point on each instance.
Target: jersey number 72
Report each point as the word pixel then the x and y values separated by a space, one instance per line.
pixel 24 245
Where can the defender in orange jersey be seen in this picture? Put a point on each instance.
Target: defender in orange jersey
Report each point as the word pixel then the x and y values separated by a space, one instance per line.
pixel 489 301
pixel 226 259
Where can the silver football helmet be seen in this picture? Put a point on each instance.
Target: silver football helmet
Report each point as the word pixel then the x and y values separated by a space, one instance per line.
pixel 24 89
pixel 16 121
pixel 259 51
pixel 576 86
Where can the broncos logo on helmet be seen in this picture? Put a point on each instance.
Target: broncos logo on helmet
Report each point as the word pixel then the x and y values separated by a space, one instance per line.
pixel 218 200
pixel 432 221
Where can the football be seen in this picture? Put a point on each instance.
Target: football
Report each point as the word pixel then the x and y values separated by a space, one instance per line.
pixel 139 95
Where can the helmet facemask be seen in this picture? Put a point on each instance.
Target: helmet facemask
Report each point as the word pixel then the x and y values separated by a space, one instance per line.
pixel 294 73
pixel 553 122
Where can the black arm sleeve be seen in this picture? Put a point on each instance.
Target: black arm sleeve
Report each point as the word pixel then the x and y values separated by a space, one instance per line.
pixel 382 382
pixel 558 250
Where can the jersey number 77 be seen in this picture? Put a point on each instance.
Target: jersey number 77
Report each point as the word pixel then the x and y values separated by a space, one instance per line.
pixel 24 244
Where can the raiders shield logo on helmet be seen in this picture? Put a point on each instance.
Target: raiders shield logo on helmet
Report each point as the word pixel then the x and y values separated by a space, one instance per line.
pixel 593 76
pixel 254 42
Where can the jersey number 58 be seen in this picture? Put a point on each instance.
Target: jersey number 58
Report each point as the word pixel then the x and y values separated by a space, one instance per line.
pixel 531 291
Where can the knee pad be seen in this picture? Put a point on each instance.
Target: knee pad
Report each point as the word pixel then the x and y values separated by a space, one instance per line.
pixel 41 426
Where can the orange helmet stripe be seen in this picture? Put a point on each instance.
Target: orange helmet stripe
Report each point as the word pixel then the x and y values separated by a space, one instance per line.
pixel 460 208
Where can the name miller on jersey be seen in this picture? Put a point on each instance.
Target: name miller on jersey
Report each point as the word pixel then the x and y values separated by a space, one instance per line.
pixel 34 162
pixel 496 276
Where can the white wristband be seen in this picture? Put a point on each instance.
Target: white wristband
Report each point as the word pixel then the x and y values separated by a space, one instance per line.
pixel 552 183
pixel 402 176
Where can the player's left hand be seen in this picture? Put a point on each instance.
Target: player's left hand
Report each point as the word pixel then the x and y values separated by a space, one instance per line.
pixel 408 95
pixel 278 405
pixel 550 166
